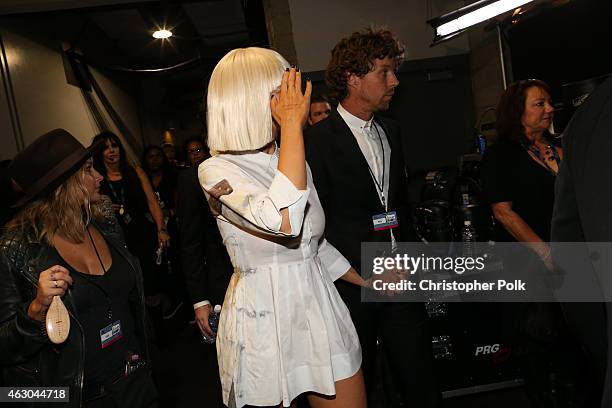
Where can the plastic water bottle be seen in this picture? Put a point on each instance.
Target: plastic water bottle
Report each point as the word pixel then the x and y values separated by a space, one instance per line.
pixel 481 143
pixel 468 237
pixel 213 322
pixel 160 253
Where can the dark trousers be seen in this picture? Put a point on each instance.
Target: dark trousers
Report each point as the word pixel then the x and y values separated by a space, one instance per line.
pixel 406 342
pixel 587 324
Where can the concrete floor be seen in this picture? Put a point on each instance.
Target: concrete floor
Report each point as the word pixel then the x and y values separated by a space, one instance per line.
pixel 189 374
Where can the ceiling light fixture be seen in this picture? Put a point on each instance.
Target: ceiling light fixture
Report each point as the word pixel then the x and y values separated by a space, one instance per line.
pixel 161 34
pixel 458 21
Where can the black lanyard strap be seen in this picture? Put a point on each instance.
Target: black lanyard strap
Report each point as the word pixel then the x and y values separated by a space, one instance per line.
pixel 380 186
pixel 109 310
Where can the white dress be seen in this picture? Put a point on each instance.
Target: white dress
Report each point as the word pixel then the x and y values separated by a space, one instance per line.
pixel 284 329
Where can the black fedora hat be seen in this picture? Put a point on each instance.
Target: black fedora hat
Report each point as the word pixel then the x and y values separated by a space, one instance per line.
pixel 46 163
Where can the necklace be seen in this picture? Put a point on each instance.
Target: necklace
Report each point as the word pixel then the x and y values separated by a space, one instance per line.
pixel 119 197
pixel 548 151
pixel 550 154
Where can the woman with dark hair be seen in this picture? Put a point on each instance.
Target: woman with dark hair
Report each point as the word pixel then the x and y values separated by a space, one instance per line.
pixel 133 198
pixel 162 178
pixel 195 151
pixel 65 244
pixel 518 174
pixel 519 170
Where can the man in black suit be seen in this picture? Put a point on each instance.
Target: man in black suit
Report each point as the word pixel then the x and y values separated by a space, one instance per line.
pixel 357 165
pixel 206 265
pixel 583 213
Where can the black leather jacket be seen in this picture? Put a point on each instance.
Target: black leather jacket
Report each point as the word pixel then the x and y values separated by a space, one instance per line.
pixel 27 356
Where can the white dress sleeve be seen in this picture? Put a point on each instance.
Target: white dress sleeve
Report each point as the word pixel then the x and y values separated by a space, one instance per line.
pixel 250 205
pixel 332 260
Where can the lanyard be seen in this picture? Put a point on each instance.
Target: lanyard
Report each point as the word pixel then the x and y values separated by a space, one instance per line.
pixel 109 310
pixel 536 152
pixel 119 198
pixel 122 210
pixel 380 186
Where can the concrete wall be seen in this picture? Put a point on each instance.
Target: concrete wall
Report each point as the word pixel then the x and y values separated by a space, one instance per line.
pixel 280 28
pixel 487 82
pixel 10 139
pixel 41 97
pixel 317 26
pixel 44 100
pixel 310 29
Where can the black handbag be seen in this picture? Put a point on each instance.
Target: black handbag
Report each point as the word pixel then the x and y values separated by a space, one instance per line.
pixel 136 390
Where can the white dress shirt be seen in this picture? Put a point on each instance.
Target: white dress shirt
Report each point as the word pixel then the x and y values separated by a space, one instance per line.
pixel 373 142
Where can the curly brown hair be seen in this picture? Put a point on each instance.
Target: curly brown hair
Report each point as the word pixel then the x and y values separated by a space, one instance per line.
pixel 356 55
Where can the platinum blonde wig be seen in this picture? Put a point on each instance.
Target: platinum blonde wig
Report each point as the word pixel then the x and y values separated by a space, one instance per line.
pixel 238 102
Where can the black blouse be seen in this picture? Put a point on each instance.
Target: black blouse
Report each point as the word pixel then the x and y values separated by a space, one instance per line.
pixel 510 174
pixel 92 305
pixel 128 192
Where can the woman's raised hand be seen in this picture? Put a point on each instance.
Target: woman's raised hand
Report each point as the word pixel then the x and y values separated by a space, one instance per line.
pixel 289 105
pixel 51 282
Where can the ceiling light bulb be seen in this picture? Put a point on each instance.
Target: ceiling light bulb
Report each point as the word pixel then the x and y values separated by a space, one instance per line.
pixel 160 34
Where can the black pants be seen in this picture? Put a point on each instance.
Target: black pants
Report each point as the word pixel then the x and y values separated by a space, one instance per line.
pixel 587 323
pixel 551 360
pixel 134 391
pixel 406 342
